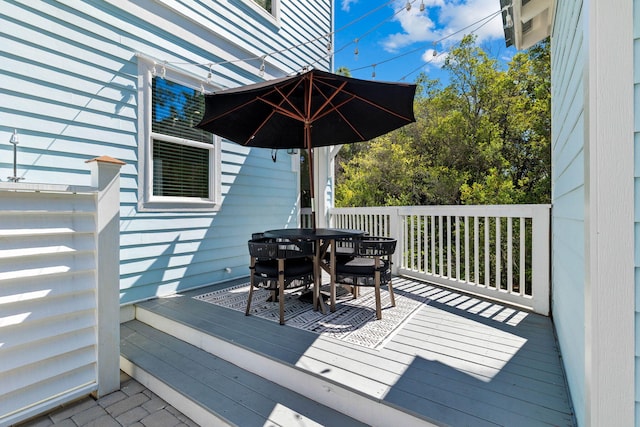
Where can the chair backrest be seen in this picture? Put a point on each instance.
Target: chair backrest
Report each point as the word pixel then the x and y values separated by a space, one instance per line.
pixel 375 246
pixel 267 248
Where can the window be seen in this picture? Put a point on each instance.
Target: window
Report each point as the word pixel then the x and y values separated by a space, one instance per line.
pixel 266 4
pixel 180 166
pixel 271 7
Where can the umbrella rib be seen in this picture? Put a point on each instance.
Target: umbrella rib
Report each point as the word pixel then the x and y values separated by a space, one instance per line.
pixel 320 113
pixel 360 98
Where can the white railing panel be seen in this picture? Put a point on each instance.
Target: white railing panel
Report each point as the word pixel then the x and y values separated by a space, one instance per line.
pixel 59 329
pixel 498 251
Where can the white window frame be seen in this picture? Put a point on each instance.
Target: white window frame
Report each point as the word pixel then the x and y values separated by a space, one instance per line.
pixel 275 9
pixel 147 201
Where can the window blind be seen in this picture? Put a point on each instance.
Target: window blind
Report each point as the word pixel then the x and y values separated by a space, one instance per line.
pixel 180 170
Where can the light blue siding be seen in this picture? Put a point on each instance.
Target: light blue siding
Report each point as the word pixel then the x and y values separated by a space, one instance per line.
pixel 69 85
pixel 568 258
pixel 636 81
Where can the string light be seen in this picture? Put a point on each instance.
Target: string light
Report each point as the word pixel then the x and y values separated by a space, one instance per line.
pixel 373 74
pixel 508 21
pixel 407 7
pixel 481 22
pixel 329 45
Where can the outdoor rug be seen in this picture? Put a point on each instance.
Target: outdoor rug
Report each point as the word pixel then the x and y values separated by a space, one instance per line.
pixel 353 321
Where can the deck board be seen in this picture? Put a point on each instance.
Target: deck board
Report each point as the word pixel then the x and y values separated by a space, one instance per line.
pixel 241 397
pixel 459 359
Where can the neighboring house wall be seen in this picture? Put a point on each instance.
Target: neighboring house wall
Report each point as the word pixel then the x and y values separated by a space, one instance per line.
pixel 72 80
pixel 568 240
pixel 593 239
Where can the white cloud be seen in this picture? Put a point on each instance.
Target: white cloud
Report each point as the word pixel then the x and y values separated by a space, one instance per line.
pixel 442 18
pixel 346 4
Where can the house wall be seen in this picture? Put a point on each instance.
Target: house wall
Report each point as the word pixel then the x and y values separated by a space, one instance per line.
pixel 568 198
pixel 69 86
pixel 593 221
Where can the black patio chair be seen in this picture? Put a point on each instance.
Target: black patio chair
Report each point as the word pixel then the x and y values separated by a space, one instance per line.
pixel 277 265
pixel 369 266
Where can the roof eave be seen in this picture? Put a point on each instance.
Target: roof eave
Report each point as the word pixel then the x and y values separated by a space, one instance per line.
pixel 531 21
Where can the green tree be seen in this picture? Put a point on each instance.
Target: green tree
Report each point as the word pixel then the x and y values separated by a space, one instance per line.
pixel 482 139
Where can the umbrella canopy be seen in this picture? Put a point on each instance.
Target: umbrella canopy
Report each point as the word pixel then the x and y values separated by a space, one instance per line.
pixel 311 109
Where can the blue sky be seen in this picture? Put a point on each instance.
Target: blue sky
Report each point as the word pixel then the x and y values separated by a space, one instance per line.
pixel 401 42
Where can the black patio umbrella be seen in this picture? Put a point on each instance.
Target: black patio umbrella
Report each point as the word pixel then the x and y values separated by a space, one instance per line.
pixel 311 109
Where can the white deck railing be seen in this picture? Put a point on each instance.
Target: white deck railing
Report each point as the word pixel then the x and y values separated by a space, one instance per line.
pixel 497 251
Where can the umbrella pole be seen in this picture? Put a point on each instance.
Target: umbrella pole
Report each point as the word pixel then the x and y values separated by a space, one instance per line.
pixel 312 192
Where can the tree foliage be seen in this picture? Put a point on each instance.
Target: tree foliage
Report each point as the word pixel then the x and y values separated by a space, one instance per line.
pixel 482 139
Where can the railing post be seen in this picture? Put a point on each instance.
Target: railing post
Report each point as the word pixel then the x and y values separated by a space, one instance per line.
pixel 540 259
pixel 396 230
pixel 105 176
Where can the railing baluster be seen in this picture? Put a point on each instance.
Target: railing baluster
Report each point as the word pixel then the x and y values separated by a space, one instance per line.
pixel 509 254
pixel 425 251
pixel 440 247
pixel 457 226
pixel 476 250
pixel 405 225
pixel 448 246
pixel 487 253
pixel 467 254
pixel 523 253
pixel 433 245
pixel 412 240
pixel 498 280
pixel 419 238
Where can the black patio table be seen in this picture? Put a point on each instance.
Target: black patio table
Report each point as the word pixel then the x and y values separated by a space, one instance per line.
pixel 324 238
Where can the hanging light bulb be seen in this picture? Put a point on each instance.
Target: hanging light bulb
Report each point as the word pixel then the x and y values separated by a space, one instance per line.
pixel 262 66
pixel 422 6
pixel 408 6
pixel 508 21
pixel 210 73
pixel 373 74
pixel 435 51
pixel 202 88
pixel 356 51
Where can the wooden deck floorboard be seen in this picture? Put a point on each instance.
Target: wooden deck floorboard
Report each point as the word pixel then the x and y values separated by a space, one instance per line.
pixel 459 359
pixel 239 396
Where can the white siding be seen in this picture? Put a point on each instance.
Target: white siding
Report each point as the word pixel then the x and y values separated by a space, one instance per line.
pixel 68 84
pixel 592 269
pixel 636 80
pixel 568 257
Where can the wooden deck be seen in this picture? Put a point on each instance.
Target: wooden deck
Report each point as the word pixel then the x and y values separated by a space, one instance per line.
pixel 458 361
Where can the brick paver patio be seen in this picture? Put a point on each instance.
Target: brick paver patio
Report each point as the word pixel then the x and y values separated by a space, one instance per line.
pixel 133 405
